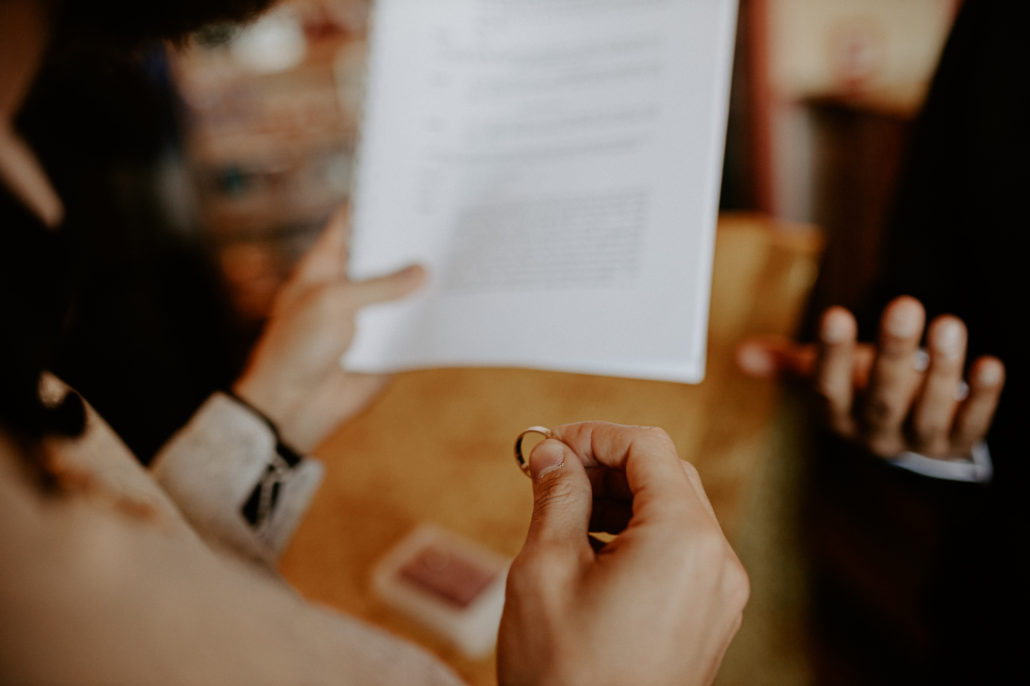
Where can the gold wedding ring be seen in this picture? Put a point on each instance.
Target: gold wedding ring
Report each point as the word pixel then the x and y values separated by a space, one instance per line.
pixel 522 460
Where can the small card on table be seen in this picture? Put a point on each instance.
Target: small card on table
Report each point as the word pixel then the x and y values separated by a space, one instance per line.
pixel 447 583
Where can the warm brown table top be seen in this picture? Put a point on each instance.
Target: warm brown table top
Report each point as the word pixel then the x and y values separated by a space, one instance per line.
pixel 437 445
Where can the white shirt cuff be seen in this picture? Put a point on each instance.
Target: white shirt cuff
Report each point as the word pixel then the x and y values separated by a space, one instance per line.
pixel 978 468
pixel 213 464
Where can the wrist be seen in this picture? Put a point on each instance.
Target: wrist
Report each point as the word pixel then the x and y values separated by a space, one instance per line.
pixel 285 451
pixel 266 398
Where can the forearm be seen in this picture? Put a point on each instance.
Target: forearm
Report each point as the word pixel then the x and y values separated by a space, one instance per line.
pixel 99 597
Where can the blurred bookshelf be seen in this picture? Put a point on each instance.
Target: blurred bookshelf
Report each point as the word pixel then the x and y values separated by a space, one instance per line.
pixel 270 114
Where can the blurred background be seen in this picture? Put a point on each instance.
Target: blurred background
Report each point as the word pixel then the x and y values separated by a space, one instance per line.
pixel 211 166
pixel 823 95
pixel 260 125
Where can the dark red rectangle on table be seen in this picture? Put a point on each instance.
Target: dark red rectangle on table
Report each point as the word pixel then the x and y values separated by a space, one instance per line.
pixel 450 577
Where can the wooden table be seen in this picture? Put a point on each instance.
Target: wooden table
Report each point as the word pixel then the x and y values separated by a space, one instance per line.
pixel 436 447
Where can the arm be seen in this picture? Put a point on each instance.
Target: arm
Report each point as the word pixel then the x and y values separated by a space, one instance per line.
pixel 897 400
pixel 658 604
pixel 223 461
pixel 233 470
pixel 293 375
pixel 101 596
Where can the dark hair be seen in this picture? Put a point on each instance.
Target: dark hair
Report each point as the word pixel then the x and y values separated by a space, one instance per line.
pixel 37 269
pixel 36 287
pixel 131 22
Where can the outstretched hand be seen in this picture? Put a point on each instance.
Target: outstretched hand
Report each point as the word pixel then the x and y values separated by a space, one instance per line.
pixel 294 374
pixel 893 396
pixel 658 604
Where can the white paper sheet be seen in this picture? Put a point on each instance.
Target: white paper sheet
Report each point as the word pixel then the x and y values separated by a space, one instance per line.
pixel 555 164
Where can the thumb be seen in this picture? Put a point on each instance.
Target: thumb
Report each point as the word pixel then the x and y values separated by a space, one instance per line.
pixel 562 497
pixel 768 357
pixel 381 289
pixel 326 259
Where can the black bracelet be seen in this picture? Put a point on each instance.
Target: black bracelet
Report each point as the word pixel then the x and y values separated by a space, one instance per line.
pixel 290 456
pixel 257 509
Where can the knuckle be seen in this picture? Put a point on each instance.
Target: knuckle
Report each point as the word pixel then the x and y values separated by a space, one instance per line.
pixel 524 576
pixel 882 409
pixel 691 471
pixel 883 446
pixel 737 584
pixel 929 430
pixel 658 434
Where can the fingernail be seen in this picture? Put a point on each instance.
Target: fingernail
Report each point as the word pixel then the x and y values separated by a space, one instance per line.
pixel 546 458
pixel 836 328
pixel 755 360
pixel 989 375
pixel 947 337
pixel 903 321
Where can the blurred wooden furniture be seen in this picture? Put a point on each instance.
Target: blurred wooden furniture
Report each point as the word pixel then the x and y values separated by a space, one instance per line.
pixel 436 447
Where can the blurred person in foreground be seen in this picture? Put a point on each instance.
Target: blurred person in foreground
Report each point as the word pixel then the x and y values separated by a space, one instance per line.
pixel 116 574
pixel 916 498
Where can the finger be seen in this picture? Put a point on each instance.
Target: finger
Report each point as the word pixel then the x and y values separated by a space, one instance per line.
pixel 835 368
pixel 613 498
pixel 326 259
pixel 648 457
pixel 562 499
pixel 386 288
pixel 865 356
pixel 934 411
pixel 324 262
pixel 767 357
pixel 894 379
pixel 986 380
